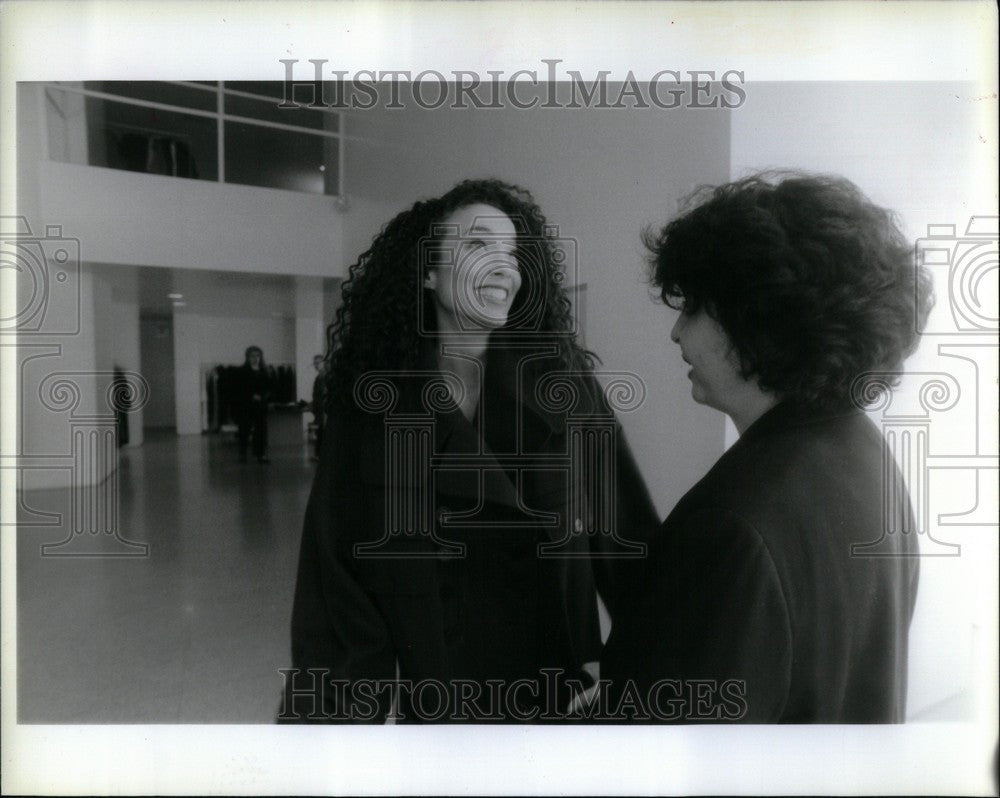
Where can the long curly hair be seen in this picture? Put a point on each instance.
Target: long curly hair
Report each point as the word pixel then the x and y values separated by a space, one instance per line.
pixel 813 284
pixel 386 312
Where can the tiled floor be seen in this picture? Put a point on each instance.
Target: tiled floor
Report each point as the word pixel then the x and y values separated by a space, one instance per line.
pixel 192 633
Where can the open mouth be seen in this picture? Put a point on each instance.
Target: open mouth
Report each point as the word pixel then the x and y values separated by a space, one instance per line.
pixel 494 293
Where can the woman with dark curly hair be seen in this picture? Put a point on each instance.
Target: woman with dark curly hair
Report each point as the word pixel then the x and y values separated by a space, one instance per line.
pixel 760 601
pixel 455 539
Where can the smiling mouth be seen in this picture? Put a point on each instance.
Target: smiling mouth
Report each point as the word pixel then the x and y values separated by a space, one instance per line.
pixel 493 293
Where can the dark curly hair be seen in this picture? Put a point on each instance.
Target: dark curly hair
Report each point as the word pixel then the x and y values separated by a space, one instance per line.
pixel 379 326
pixel 812 282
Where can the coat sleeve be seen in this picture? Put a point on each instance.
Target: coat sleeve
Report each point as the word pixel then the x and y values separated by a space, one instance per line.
pixel 339 637
pixel 712 624
pixel 619 559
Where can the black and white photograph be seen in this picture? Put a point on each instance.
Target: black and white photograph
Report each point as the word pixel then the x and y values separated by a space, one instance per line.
pixel 499 398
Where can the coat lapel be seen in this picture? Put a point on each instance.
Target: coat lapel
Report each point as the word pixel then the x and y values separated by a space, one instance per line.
pixel 474 462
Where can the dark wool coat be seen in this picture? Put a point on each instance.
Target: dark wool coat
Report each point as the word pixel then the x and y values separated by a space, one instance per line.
pixel 756 578
pixel 507 586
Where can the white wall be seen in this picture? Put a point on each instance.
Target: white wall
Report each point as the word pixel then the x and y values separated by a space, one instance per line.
pixel 600 175
pixel 919 148
pixel 125 349
pixel 63 381
pixel 131 218
pixel 310 339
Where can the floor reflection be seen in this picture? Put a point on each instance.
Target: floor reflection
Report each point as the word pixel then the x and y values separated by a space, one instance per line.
pixel 196 631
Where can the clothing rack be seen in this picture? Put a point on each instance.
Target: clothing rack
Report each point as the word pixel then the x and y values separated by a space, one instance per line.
pixel 218 400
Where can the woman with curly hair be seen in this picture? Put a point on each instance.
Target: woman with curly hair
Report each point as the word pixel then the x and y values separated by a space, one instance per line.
pixel 761 601
pixel 450 561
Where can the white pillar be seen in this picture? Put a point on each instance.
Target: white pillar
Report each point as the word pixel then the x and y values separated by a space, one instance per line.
pixel 64 381
pixel 187 373
pixel 310 337
pixel 126 352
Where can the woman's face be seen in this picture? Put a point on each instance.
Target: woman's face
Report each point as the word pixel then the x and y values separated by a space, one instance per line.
pixel 253 358
pixel 715 375
pixel 476 276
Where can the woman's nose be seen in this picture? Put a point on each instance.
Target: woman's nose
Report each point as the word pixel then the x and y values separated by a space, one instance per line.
pixel 675 331
pixel 505 270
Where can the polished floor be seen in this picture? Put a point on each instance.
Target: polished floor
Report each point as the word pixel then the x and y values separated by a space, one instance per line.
pixel 195 631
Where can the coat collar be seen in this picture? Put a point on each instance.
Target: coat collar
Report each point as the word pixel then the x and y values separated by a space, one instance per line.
pixel 789 414
pixel 510 417
pixel 509 385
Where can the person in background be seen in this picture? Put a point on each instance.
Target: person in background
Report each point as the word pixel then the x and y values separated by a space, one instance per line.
pixel 799 300
pixel 318 405
pixel 253 393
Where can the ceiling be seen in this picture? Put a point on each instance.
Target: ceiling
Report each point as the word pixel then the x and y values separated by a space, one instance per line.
pixel 215 291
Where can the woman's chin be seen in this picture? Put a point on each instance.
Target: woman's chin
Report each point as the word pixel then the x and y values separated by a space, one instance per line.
pixel 486 321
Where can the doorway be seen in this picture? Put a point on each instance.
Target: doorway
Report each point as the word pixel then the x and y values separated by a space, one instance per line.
pixel 156 359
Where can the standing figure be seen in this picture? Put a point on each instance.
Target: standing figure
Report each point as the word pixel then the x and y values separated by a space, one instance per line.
pixel 253 391
pixel 759 603
pixel 451 553
pixel 318 405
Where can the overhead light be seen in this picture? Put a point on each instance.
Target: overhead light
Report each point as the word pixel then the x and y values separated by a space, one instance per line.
pixel 179 304
pixel 175 296
pixel 322 168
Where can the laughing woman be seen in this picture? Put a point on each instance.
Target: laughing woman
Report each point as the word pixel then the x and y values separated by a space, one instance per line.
pixel 449 565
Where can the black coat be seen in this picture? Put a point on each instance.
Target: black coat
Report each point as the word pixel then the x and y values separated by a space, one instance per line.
pixel 250 382
pixel 753 585
pixel 519 597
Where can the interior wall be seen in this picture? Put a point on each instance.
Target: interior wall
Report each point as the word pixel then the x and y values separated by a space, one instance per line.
pixel 600 175
pixel 63 381
pixel 126 347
